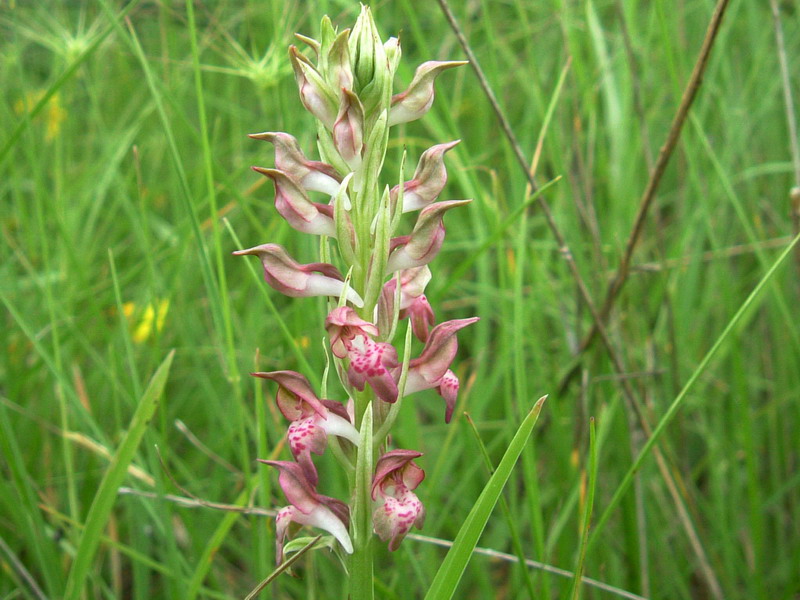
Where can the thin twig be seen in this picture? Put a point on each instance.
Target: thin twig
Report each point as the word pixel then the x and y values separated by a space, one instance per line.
pixel 261 512
pixel 689 95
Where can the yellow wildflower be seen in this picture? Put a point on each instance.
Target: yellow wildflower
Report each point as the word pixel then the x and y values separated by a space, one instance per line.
pixel 53 114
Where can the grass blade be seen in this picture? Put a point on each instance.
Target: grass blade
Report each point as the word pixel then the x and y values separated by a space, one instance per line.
pixel 450 572
pixel 107 493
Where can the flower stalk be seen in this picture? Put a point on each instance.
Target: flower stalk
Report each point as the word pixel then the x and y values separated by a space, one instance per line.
pixel 346 82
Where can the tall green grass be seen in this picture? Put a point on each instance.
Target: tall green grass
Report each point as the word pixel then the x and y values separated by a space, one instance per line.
pixel 125 185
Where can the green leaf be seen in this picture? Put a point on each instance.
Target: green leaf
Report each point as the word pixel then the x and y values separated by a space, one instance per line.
pixel 107 493
pixel 450 572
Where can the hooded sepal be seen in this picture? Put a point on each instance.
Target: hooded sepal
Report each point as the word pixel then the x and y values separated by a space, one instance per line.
pixel 312 175
pixel 417 99
pixel 425 241
pixel 398 508
pixel 371 362
pixel 293 279
pixel 428 181
pixel 307 507
pixel 412 302
pixel 293 205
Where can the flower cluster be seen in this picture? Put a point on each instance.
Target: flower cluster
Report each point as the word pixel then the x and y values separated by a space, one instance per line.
pixel 348 89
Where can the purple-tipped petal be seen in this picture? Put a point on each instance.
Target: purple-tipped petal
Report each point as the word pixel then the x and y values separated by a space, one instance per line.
pixel 424 243
pixel 293 279
pixel 293 205
pixel 421 315
pixel 428 181
pixel 312 175
pixel 417 99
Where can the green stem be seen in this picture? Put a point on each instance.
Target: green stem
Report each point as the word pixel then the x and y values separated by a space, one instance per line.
pixel 361 526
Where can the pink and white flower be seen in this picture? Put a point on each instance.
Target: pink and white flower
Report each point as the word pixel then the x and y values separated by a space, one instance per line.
pixel 312 175
pixel 429 179
pixel 371 362
pixel 417 99
pixel 432 368
pixel 312 419
pixel 307 507
pixel 293 279
pixel 425 241
pixel 293 205
pixel 398 508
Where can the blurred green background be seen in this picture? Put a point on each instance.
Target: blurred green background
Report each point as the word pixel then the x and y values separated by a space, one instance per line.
pixel 125 181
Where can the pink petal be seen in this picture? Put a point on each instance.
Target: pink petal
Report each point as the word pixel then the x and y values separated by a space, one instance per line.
pixel 295 396
pixel 296 487
pixel 373 362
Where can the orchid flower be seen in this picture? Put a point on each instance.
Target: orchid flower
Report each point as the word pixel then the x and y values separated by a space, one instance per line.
pixel 370 361
pixel 417 99
pixel 293 279
pixel 398 507
pixel 432 368
pixel 293 205
pixel 429 179
pixel 307 507
pixel 425 241
pixel 313 420
pixel 312 175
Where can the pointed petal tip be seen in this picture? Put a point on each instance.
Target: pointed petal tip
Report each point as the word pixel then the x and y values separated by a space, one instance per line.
pixel 264 135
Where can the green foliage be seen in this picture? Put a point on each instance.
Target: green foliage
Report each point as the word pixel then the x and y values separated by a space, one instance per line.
pixel 125 148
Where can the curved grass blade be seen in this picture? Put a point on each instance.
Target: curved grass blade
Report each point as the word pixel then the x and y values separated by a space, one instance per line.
pixel 450 572
pixel 107 493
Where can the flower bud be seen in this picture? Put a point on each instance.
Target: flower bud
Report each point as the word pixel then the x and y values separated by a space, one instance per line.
pixel 315 93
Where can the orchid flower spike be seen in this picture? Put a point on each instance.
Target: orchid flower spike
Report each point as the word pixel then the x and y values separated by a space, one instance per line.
pixel 313 420
pixel 398 507
pixel 432 368
pixel 370 361
pixel 417 99
pixel 312 175
pixel 425 241
pixel 428 181
pixel 307 507
pixel 293 204
pixel 291 278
